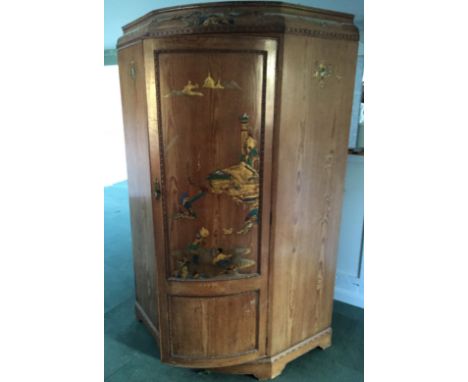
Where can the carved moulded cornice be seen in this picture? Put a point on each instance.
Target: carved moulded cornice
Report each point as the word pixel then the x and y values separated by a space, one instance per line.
pixel 240 17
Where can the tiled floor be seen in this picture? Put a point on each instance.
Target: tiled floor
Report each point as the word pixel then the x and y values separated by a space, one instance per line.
pixel 131 354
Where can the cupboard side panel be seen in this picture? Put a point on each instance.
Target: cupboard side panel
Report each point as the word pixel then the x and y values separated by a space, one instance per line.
pixel 309 175
pixel 132 83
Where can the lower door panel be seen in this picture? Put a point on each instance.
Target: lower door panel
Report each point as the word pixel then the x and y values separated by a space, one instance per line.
pixel 214 327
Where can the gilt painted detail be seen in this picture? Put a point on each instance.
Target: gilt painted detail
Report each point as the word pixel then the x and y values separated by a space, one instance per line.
pixel 211 84
pixel 187 90
pixel 216 20
pixel 228 231
pixel 241 181
pixel 323 72
pixel 190 89
pixel 197 261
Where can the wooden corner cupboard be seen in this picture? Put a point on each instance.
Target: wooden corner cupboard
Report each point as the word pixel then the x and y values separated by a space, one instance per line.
pixel 236 120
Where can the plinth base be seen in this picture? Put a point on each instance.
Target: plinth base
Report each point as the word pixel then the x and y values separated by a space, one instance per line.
pixel 271 367
pixel 262 368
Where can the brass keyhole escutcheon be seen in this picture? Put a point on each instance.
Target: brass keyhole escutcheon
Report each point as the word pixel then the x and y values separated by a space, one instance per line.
pixel 157 189
pixel 132 70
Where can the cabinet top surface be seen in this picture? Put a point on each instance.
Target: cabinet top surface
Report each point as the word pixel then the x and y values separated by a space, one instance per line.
pixel 241 17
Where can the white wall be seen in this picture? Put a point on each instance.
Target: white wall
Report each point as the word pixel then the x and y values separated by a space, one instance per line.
pixel 349 285
pixel 115 169
pixel 354 127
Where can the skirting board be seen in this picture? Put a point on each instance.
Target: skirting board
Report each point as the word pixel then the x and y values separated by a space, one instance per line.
pixel 349 297
pixel 349 289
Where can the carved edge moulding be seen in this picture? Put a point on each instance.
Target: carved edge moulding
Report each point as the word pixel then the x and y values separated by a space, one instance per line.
pixel 241 17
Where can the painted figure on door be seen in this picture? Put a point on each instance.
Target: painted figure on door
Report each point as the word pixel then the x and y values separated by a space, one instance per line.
pixel 186 201
pixel 209 82
pixel 197 261
pixel 189 89
pixel 241 183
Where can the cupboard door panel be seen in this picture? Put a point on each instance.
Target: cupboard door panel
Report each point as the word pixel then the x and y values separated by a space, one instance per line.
pixel 210 125
pixel 211 117
pixel 214 327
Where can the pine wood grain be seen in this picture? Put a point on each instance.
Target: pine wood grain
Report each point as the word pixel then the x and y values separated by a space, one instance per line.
pixel 260 56
pixel 139 182
pixel 308 185
pixel 295 69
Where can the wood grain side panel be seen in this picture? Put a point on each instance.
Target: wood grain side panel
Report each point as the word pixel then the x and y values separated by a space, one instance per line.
pixel 220 327
pixel 308 185
pixel 132 82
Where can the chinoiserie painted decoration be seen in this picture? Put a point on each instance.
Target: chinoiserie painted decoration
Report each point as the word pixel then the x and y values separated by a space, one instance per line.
pixel 239 182
pixel 197 261
pixel 186 201
pixel 323 72
pixel 187 90
pixel 191 89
